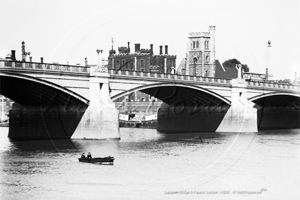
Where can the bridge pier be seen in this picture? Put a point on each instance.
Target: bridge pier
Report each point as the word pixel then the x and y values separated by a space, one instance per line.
pixel 101 119
pixel 241 116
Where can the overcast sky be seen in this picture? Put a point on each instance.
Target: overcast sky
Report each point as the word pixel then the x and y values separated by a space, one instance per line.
pixel 69 30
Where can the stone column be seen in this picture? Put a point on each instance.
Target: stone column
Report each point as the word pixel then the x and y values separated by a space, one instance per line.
pixel 135 63
pixel 212 32
pixel 187 63
pixel 101 119
pixel 165 65
pixel 268 59
pixel 241 116
pixel 202 71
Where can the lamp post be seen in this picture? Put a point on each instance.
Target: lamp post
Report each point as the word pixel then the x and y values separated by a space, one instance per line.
pixel 268 59
pixel 99 51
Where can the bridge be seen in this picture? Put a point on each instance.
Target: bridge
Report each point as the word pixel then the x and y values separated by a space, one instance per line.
pixel 71 101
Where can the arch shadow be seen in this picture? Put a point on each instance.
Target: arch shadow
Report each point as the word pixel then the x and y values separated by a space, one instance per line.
pixel 277 110
pixel 185 108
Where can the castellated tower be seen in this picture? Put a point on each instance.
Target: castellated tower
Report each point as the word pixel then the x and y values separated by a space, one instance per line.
pixel 201 53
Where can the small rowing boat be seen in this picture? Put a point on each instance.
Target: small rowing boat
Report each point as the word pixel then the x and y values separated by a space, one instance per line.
pixel 101 160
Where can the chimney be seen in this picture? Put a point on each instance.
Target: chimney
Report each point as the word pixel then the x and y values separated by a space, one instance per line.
pixel 23 51
pixel 137 48
pixel 151 48
pixel 42 60
pixel 30 59
pixel 13 54
pixel 128 51
pixel 160 50
pixel 166 49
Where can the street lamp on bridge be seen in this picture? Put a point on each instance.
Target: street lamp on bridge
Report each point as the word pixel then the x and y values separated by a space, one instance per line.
pixel 99 51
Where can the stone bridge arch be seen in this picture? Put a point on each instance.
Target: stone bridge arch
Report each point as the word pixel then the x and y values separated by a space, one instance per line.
pixel 273 94
pixel 186 108
pixel 172 92
pixel 277 110
pixel 43 110
pixel 27 89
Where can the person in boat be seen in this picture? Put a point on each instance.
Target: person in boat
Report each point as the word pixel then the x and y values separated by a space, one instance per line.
pixel 89 155
pixel 200 139
pixel 82 155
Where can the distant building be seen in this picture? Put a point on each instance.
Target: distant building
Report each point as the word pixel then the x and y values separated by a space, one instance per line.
pixel 141 59
pixel 200 59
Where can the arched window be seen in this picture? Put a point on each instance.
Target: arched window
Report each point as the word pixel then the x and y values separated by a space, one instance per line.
pixel 207 58
pixel 206 73
pixel 197 44
pixel 206 44
pixel 142 63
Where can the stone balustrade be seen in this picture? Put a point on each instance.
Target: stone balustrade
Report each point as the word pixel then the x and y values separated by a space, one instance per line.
pixel 6 64
pixel 43 66
pixel 273 85
pixel 161 76
pixel 178 77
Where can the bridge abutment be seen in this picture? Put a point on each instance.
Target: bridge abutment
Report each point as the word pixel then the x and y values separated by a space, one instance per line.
pixel 241 116
pixel 101 119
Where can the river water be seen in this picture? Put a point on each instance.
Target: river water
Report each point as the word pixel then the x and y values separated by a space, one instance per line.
pixel 150 165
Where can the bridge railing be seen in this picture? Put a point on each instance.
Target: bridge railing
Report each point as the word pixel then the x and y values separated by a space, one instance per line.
pixel 43 66
pixel 270 84
pixel 160 76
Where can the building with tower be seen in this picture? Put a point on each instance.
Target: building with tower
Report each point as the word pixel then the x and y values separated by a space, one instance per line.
pixel 200 59
pixel 141 59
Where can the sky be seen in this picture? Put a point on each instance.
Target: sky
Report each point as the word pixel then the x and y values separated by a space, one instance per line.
pixel 67 31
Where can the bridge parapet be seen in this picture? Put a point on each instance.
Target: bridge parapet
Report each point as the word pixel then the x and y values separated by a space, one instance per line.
pixel 167 77
pixel 272 86
pixel 6 64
